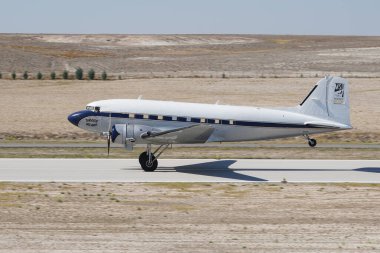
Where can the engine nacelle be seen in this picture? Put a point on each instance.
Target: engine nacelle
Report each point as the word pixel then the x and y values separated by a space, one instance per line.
pixel 128 133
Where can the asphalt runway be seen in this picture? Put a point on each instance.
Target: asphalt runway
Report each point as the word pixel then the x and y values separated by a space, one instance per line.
pixel 189 170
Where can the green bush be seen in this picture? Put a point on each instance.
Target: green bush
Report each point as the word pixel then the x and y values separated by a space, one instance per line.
pixel 91 74
pixel 79 74
pixel 39 75
pixel 1 75
pixel 13 75
pixel 52 75
pixel 65 75
pixel 25 75
pixel 223 75
pixel 104 75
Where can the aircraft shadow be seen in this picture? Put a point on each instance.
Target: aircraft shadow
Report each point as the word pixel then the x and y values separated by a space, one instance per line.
pixel 221 169
pixel 369 169
pixel 213 169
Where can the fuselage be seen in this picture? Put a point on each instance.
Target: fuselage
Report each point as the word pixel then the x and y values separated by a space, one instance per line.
pixel 231 123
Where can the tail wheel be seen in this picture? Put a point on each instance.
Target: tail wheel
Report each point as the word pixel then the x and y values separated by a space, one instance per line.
pixel 312 142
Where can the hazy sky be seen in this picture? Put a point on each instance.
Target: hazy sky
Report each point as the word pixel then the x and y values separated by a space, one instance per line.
pixel 335 17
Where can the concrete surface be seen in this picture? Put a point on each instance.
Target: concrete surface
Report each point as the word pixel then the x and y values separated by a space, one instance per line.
pixel 189 170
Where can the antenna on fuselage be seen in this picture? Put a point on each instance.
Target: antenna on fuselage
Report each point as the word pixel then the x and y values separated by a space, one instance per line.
pixel 140 97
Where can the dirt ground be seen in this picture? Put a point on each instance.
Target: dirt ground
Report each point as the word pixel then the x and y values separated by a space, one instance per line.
pixel 38 109
pixel 218 152
pixel 191 55
pixel 185 217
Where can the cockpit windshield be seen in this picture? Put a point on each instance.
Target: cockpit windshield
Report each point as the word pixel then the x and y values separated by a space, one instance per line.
pixel 93 108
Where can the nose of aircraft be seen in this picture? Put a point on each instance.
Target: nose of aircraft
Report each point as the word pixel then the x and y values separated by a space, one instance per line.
pixel 75 117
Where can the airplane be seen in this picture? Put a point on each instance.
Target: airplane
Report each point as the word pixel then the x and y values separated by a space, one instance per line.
pixel 163 123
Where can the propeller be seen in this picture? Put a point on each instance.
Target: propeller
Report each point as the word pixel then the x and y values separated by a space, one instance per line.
pixel 109 136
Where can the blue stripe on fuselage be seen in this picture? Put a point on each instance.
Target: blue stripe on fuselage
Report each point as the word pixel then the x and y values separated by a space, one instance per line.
pixel 75 117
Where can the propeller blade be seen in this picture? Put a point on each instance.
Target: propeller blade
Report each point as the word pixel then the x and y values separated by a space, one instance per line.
pixel 108 144
pixel 109 136
pixel 109 124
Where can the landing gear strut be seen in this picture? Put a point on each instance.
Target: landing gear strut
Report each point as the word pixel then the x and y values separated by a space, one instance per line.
pixel 148 159
pixel 312 142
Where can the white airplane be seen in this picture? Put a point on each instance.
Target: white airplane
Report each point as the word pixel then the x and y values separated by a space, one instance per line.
pixel 138 121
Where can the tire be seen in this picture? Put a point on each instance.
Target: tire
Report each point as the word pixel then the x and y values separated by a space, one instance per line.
pixel 143 159
pixel 312 143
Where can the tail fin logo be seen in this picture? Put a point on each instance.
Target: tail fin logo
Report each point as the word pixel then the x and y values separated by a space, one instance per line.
pixel 339 93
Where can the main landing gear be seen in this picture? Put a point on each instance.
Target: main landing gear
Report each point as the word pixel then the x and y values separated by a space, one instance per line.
pixel 312 142
pixel 148 159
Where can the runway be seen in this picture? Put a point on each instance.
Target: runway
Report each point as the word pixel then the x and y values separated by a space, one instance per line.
pixel 189 170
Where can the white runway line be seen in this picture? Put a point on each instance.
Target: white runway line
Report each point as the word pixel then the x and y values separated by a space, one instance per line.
pixel 189 170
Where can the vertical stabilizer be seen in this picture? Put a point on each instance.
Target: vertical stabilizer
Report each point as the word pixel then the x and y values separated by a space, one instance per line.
pixel 329 99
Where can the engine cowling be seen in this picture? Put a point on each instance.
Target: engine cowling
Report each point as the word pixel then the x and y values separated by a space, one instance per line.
pixel 128 133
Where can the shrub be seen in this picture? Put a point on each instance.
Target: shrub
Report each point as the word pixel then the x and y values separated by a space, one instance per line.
pixel 79 74
pixel 25 75
pixel 13 75
pixel 39 75
pixel 52 75
pixel 223 75
pixel 119 77
pixel 91 74
pixel 104 75
pixel 1 75
pixel 65 75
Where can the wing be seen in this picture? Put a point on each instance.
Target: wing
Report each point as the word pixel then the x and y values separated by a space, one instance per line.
pixel 188 134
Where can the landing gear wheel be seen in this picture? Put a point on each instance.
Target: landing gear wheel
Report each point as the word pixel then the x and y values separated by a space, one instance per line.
pixel 143 157
pixel 312 142
pixel 145 164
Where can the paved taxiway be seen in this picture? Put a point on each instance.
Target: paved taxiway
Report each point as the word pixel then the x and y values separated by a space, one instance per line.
pixel 189 170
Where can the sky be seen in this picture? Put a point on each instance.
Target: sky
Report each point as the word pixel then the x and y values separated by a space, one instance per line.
pixel 303 17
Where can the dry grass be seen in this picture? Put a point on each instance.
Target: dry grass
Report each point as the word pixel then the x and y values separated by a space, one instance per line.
pixel 176 217
pixel 200 153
